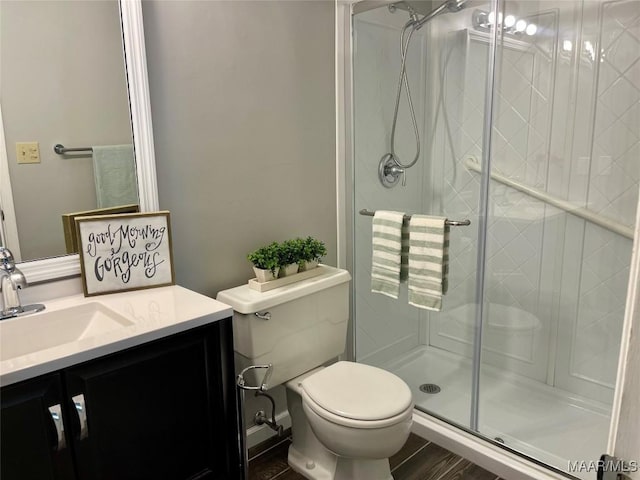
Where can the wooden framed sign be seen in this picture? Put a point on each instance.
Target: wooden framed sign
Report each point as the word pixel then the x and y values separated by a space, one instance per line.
pixel 125 252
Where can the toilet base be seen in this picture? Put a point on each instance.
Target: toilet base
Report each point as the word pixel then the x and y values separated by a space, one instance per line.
pixel 310 468
pixel 340 469
pixel 308 457
pixel 356 469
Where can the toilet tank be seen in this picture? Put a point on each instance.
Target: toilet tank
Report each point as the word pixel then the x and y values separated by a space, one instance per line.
pixel 307 324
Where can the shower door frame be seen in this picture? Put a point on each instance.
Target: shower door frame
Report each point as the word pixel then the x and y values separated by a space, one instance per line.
pixel 475 446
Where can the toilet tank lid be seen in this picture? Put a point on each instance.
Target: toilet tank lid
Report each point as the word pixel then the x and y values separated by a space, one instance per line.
pixel 358 391
pixel 245 300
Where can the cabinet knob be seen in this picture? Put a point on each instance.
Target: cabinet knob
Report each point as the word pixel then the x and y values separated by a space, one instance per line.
pixel 56 415
pixel 79 404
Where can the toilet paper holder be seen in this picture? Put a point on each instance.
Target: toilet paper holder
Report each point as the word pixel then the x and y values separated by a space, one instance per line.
pixel 264 385
pixel 260 417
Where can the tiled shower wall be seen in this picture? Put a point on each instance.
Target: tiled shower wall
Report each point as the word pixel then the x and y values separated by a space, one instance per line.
pixel 567 122
pixel 611 130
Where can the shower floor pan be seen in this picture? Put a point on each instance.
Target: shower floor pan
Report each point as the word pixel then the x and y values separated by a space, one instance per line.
pixel 540 421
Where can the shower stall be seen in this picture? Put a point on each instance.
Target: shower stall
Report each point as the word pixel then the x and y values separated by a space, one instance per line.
pixel 528 120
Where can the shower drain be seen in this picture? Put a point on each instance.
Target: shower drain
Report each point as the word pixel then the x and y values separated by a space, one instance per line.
pixel 429 388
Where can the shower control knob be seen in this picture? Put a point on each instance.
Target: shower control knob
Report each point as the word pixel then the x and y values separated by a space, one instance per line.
pixel 389 172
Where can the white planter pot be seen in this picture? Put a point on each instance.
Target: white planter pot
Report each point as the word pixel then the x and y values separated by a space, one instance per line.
pixel 287 270
pixel 264 275
pixel 309 265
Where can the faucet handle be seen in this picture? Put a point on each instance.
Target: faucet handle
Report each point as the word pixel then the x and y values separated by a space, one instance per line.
pixel 7 263
pixel 18 280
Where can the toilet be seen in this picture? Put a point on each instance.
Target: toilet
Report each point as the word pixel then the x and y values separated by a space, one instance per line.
pixel 347 418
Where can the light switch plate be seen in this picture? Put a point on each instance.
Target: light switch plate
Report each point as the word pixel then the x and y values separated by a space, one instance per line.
pixel 28 152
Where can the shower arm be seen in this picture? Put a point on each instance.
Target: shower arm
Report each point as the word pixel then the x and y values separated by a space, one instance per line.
pixel 429 16
pixel 450 5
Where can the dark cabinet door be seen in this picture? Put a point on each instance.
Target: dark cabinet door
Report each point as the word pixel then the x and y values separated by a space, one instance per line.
pixel 32 437
pixel 159 411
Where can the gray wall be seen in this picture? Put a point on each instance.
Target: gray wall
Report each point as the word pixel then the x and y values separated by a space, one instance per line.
pixel 243 105
pixel 62 81
pixel 242 95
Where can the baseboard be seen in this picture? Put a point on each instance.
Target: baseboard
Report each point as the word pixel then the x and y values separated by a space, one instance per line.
pixel 259 433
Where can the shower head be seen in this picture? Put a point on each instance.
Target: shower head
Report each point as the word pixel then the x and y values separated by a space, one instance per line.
pixel 446 6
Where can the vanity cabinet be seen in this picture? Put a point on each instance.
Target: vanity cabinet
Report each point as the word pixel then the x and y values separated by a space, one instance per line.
pixel 30 445
pixel 162 410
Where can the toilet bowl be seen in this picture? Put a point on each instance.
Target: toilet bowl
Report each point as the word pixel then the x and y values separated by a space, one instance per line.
pixel 348 418
pixel 358 416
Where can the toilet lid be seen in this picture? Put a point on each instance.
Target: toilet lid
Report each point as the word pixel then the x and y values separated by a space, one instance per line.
pixel 358 391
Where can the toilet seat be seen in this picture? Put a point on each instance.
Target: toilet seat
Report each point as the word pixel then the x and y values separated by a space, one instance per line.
pixel 358 395
pixel 350 422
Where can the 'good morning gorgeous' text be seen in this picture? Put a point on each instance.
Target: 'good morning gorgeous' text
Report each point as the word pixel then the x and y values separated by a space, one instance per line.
pixel 125 235
pixel 121 265
pixel 120 249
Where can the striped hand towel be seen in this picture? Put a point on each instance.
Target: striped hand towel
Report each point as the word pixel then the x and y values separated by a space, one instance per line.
pixel 428 261
pixel 385 261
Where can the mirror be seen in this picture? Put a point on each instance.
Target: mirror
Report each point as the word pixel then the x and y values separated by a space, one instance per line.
pixel 109 132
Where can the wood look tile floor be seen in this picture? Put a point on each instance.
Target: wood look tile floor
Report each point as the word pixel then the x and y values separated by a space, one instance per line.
pixel 419 459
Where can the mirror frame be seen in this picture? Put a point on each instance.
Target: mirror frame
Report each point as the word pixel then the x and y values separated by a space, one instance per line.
pixel 55 268
pixel 9 228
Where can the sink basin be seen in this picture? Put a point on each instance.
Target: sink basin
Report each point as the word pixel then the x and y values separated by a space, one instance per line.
pixel 23 335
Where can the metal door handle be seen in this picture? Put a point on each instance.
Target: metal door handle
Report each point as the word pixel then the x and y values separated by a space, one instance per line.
pixel 263 316
pixel 81 408
pixel 56 415
pixel 613 468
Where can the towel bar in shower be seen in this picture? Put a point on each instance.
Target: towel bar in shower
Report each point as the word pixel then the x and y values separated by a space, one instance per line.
pixel 61 149
pixel 451 223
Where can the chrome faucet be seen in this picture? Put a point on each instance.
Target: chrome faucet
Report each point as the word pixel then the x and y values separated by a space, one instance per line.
pixel 12 280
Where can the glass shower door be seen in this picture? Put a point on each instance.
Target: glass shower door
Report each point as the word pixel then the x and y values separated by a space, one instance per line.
pixel 552 219
pixel 461 70
pixel 447 71
pixel 564 184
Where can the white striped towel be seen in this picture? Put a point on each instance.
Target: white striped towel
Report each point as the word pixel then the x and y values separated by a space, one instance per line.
pixel 386 248
pixel 428 261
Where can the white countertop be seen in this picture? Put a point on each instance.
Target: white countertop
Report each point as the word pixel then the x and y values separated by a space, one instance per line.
pixel 151 314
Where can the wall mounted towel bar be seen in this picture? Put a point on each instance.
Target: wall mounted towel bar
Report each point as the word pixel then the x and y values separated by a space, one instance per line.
pixel 451 223
pixel 61 149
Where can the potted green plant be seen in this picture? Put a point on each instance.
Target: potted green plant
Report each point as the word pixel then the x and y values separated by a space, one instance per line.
pixel 312 251
pixel 266 262
pixel 289 255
